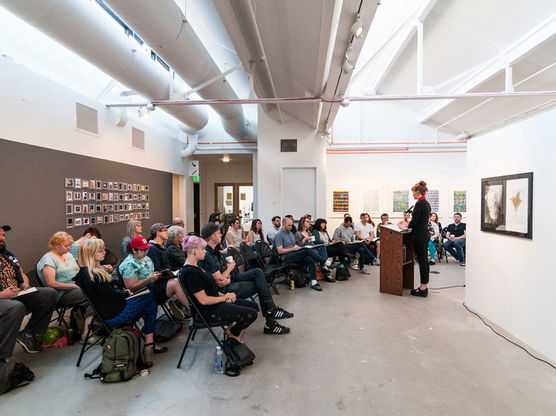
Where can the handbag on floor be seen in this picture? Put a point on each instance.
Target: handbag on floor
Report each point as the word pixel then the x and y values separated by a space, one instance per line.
pixel 239 355
pixel 13 375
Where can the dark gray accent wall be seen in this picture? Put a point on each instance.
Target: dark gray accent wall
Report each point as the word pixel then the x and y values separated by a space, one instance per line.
pixel 32 196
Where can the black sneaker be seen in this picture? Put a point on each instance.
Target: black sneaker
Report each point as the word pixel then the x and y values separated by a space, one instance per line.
pixel 279 313
pixel 28 343
pixel 420 292
pixel 317 287
pixel 276 329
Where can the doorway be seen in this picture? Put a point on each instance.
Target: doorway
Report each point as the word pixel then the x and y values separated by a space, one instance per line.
pixel 235 198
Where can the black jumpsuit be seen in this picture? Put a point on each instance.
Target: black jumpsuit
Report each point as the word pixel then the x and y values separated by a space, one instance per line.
pixel 420 225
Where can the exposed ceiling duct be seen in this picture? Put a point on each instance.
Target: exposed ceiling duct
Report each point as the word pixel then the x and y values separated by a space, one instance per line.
pixel 86 31
pixel 163 27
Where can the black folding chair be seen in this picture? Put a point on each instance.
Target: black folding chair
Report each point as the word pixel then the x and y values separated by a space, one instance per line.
pixel 60 308
pixel 197 322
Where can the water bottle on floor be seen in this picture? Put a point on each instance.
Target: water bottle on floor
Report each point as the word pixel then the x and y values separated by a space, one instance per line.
pixel 218 363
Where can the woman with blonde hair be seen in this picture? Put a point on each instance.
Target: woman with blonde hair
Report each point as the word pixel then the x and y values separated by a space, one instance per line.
pixel 57 268
pixel 112 304
pixel 134 229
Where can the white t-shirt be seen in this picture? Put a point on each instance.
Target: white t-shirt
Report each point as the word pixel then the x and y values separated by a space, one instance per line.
pixel 364 230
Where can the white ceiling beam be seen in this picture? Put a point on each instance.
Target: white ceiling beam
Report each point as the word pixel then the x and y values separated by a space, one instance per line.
pixel 511 55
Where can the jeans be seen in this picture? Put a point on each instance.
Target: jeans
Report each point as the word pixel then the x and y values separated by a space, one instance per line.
pixel 306 257
pixel 249 283
pixel 365 255
pixel 432 248
pixel 134 308
pixel 455 248
pixel 39 304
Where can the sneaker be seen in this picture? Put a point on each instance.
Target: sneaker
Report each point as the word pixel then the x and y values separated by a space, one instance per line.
pixel 432 263
pixel 317 287
pixel 363 270
pixel 28 343
pixel 276 329
pixel 462 263
pixel 328 263
pixel 377 262
pixel 177 313
pixel 279 313
pixel 420 293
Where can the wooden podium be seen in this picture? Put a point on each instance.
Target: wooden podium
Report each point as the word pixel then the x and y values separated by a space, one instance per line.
pixel 396 260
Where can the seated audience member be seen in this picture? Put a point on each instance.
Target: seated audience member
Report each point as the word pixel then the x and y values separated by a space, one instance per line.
pixel 304 237
pixel 365 231
pixel 292 253
pixel 112 304
pixel 384 220
pixel 405 220
pixel 176 256
pixel 204 293
pixel 276 224
pixel 234 235
pixel 39 304
pixel 455 239
pixel 138 272
pixel 157 252
pixel 346 234
pixel 434 229
pixel 179 222
pixel 294 229
pixel 134 229
pixel 57 268
pixel 244 285
pixel 110 260
pixel 334 249
pixel 256 232
pixel 215 217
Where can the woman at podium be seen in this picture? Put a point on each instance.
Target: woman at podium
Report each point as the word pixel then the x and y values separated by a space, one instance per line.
pixel 420 225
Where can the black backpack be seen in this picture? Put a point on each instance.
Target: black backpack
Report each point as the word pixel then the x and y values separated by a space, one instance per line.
pixel 13 375
pixel 165 329
pixel 299 277
pixel 239 355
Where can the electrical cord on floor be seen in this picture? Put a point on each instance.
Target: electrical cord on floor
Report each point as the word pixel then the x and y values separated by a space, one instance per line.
pixel 445 287
pixel 509 340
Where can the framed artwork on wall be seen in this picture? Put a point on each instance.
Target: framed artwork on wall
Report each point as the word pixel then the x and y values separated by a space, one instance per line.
pixel 507 205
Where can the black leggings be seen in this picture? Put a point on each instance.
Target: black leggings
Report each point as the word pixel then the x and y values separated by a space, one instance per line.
pixel 337 250
pixel 242 312
pixel 420 245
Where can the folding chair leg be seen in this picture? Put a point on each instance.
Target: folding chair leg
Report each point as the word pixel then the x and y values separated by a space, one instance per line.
pixel 84 347
pixel 191 334
pixel 194 333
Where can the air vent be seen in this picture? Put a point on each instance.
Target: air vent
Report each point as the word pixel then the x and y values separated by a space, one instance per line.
pixel 86 118
pixel 288 145
pixel 138 138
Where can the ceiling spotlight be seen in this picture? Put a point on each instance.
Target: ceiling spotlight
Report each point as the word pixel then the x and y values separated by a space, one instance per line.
pixel 357 27
pixel 226 159
pixel 344 101
pixel 150 107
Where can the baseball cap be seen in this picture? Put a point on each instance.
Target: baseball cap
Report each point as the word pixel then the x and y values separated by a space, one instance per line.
pixel 139 243
pixel 157 227
pixel 6 227
pixel 210 229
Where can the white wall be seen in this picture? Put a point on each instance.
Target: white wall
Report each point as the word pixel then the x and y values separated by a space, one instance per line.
pixel 38 111
pixel 511 280
pixel 270 163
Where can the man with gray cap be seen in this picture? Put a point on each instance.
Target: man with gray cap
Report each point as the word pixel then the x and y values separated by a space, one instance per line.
pixel 245 284
pixel 13 308
pixel 157 252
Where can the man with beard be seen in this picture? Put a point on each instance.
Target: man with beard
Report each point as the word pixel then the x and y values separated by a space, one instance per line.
pixel 13 308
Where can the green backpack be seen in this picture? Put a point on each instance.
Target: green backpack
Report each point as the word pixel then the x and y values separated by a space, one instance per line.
pixel 120 356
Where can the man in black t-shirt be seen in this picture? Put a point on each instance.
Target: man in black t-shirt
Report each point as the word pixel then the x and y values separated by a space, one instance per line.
pixel 455 239
pixel 244 284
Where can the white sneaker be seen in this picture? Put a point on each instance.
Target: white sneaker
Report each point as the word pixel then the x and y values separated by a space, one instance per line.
pixel 328 263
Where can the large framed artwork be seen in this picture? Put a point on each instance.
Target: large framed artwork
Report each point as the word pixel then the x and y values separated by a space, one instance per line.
pixel 507 205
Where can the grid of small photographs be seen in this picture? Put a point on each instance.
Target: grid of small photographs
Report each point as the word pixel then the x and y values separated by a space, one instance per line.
pixel 92 201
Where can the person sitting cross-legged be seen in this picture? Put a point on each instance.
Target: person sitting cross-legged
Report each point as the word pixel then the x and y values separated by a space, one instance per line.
pixel 455 239
pixel 345 233
pixel 245 284
pixel 291 252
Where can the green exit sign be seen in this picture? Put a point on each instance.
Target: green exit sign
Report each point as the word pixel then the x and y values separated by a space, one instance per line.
pixel 196 179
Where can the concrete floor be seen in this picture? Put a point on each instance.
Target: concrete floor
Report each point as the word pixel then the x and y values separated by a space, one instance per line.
pixel 352 351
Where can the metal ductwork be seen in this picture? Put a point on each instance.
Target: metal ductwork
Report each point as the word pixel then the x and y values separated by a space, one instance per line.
pixel 163 27
pixel 87 31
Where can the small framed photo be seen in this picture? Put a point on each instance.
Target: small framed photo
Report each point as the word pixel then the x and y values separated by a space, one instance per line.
pixel 69 209
pixel 77 183
pixel 120 186
pixel 100 219
pixel 104 185
pixel 142 188
pixel 77 209
pixel 110 186
pixel 98 184
pixel 147 197
pixel 98 208
pixel 106 219
pixel 77 222
pixel 92 196
pixel 93 220
pixel 69 222
pixel 133 206
pixel 129 187
pixel 85 196
pixel 92 184
pixel 147 206
pixel 147 188
pixel 110 207
pixel 111 218
pixel 85 209
pixel 104 207
pixel 69 196
pixel 69 182
pixel 116 207
pixel 98 198
pixel 105 197
pixel 120 207
pixel 85 183
pixel 111 196
pixel 143 206
pixel 121 197
pixel 134 187
pixel 91 208
pixel 77 196
pixel 147 215
pixel 86 221
pixel 126 217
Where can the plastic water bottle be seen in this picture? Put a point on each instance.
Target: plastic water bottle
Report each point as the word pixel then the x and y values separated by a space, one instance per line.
pixel 218 363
